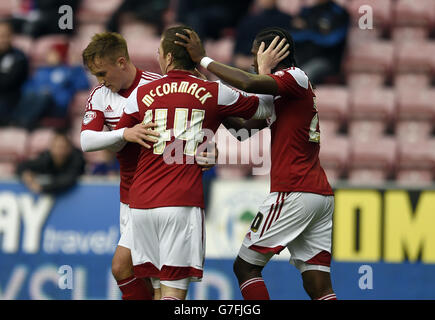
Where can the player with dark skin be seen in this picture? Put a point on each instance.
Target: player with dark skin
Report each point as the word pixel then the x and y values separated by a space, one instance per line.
pixel 316 283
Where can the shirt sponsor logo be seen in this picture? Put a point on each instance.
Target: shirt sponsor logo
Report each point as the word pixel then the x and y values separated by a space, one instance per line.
pixel 89 116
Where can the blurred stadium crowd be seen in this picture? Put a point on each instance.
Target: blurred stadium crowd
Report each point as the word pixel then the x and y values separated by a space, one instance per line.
pixel 375 87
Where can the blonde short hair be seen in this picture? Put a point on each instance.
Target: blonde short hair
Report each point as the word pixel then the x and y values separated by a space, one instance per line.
pixel 105 45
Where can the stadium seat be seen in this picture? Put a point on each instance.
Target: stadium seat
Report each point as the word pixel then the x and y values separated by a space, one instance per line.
pixel 372 103
pixel 413 13
pixel 87 30
pixel 332 102
pixel 367 177
pixel 405 34
pixel 41 45
pixel 76 47
pixel 415 103
pixel 374 56
pixel 432 57
pixel 375 154
pixel 416 155
pixel 328 128
pixel 7 7
pixel 7 169
pixel 365 80
pixel 334 153
pixel 143 56
pixel 13 144
pixel 413 56
pixel 366 130
pixel 333 175
pixel 413 131
pixel 146 63
pixel 39 140
pixel 81 39
pixel 402 81
pixel 417 178
pixel 381 9
pixel 97 11
pixel 220 50
pixel 357 36
pixel 138 30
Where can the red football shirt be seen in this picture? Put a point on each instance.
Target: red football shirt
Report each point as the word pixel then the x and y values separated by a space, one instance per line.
pixel 183 106
pixel 295 137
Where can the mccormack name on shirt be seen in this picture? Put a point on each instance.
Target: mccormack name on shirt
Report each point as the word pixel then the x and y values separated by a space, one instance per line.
pixel 200 93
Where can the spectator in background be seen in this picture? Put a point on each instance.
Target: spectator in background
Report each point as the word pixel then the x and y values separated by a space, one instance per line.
pixel 151 12
pixel 14 67
pixel 55 170
pixel 50 90
pixel 37 18
pixel 320 33
pixel 210 18
pixel 265 14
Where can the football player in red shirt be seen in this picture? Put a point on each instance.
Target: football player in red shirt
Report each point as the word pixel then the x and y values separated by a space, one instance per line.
pixel 107 58
pixel 297 214
pixel 166 196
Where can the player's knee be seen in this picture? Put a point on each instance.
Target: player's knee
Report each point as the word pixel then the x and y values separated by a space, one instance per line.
pixel 244 270
pixel 120 269
pixel 116 269
pixel 317 284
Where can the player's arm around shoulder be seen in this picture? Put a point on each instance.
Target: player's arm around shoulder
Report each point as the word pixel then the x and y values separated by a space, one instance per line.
pixel 133 128
pixel 240 79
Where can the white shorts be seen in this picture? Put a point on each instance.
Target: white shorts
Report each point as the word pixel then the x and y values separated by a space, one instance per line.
pixel 298 221
pixel 124 219
pixel 169 243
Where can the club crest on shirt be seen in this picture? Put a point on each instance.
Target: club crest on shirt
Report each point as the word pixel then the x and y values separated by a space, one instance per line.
pixel 279 73
pixel 89 116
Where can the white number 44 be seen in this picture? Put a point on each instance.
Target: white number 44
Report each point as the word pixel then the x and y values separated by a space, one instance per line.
pixel 192 133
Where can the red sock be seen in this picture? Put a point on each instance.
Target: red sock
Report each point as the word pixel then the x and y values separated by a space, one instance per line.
pixel 330 296
pixel 133 288
pixel 254 289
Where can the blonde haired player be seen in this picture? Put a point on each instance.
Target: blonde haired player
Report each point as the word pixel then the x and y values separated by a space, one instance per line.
pixel 107 58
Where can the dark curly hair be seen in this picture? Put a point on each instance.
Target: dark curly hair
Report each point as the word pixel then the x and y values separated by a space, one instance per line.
pixel 268 34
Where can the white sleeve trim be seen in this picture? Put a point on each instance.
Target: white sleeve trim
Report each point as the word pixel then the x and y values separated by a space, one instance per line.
pixel 96 97
pixel 226 95
pixel 91 140
pixel 131 103
pixel 265 107
pixel 300 77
